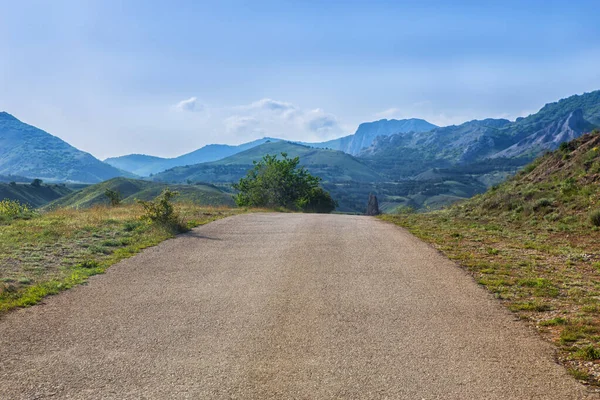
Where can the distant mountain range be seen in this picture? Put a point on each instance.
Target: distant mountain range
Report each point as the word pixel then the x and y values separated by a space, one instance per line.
pixel 144 165
pixel 408 162
pixel 30 152
pixel 330 165
pixel 366 133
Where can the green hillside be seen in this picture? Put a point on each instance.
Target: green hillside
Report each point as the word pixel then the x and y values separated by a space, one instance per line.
pixel 33 196
pixel 534 242
pixel 330 165
pixel 132 189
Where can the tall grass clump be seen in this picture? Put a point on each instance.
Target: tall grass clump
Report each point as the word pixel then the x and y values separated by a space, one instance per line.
pixel 595 218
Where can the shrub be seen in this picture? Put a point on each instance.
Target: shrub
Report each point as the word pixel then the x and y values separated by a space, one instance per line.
pixel 113 196
pixel 161 211
pixel 542 203
pixel 318 201
pixel 10 209
pixel 274 182
pixel 595 218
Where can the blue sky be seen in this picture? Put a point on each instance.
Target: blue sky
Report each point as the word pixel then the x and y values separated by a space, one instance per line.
pixel 164 78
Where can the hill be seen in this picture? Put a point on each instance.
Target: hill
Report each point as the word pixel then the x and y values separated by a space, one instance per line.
pixel 132 189
pixel 144 165
pixel 30 152
pixel 330 165
pixel 533 242
pixel 33 196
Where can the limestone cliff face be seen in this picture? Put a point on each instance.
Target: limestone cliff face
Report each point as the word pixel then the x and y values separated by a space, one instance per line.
pixel 550 137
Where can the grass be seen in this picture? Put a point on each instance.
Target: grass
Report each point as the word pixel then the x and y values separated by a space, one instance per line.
pixel 533 242
pixel 54 251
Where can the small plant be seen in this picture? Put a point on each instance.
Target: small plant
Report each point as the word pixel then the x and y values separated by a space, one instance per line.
pixel 88 264
pixel 589 353
pixel 114 196
pixel 554 322
pixel 595 218
pixel 161 211
pixel 542 203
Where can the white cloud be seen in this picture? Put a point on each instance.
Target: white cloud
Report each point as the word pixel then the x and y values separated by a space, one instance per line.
pixel 281 119
pixel 272 105
pixel 241 124
pixel 189 105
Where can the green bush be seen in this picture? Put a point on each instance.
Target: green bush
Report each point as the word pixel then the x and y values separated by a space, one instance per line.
pixel 595 218
pixel 318 201
pixel 161 211
pixel 277 182
pixel 10 209
pixel 542 203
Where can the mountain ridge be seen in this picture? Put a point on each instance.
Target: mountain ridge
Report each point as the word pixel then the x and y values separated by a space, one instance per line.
pixel 28 151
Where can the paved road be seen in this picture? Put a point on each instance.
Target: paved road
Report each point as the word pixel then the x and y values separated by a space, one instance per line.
pixel 279 306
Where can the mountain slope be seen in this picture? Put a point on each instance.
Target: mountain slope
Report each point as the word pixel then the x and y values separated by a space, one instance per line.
pixel 330 165
pixel 132 189
pixel 28 151
pixel 144 165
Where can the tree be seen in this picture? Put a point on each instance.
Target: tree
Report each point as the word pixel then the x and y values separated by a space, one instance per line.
pixel 274 182
pixel 113 196
pixel 36 182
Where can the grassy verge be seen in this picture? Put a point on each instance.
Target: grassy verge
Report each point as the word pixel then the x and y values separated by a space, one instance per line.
pixel 546 276
pixel 45 254
pixel 534 242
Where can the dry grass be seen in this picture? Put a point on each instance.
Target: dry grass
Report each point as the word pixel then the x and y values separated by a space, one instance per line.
pixel 56 250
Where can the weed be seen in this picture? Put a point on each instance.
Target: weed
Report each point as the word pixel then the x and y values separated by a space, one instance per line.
pixel 578 374
pixel 588 353
pixel 530 306
pixel 87 264
pixel 554 322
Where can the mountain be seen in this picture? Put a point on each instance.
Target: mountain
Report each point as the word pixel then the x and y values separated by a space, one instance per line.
pixel 367 132
pixel 132 189
pixel 33 196
pixel 331 165
pixel 476 140
pixel 30 152
pixel 144 165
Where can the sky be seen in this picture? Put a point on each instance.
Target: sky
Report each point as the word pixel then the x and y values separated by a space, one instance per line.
pixel 167 77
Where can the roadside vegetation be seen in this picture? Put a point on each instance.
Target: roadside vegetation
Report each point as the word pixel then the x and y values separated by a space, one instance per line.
pixel 534 242
pixel 43 253
pixel 281 183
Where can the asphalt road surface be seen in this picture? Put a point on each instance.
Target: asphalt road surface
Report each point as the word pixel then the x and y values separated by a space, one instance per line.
pixel 279 306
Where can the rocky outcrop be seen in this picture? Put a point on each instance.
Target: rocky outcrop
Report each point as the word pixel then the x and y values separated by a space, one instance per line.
pixel 373 206
pixel 549 137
